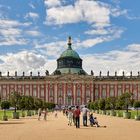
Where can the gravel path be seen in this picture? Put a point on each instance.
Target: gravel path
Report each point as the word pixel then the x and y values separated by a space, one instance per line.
pixel 57 129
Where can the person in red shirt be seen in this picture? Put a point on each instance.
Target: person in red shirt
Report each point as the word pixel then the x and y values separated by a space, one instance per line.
pixel 77 117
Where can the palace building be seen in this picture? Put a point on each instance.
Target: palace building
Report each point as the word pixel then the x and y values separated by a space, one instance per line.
pixel 69 84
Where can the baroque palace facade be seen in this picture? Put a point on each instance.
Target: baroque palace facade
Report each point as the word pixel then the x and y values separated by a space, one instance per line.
pixel 69 84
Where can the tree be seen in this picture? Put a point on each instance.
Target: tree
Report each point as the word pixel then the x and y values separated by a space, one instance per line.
pixel 112 102
pixel 29 103
pixel 22 104
pixel 102 104
pixel 136 105
pixel 5 105
pixel 107 104
pixel 38 103
pixel 96 105
pixel 15 99
pixel 125 100
pixel 49 105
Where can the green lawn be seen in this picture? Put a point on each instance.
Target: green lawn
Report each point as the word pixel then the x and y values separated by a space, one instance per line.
pixel 9 113
pixel 133 113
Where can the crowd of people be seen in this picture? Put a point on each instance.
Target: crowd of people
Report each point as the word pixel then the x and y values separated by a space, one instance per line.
pixel 73 115
pixel 44 112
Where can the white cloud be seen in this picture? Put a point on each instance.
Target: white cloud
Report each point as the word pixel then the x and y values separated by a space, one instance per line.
pixel 117 60
pixel 33 33
pixel 32 15
pixel 11 32
pixel 12 23
pixel 9 41
pixel 118 12
pixel 32 5
pixel 52 3
pixel 104 31
pixel 126 60
pixel 82 10
pixel 107 35
pixel 52 49
pixel 97 32
pixel 22 61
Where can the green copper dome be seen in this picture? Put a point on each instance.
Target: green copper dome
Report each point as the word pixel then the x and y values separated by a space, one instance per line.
pixel 69 62
pixel 70 53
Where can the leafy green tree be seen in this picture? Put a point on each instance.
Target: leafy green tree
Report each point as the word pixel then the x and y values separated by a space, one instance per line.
pixel 49 105
pixel 92 105
pixel 22 104
pixel 38 103
pixel 112 102
pixel 15 99
pixel 29 103
pixel 125 100
pixel 5 105
pixel 107 104
pixel 136 105
pixel 96 105
pixel 102 104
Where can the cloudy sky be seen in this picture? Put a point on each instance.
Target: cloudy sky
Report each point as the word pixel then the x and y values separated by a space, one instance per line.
pixel 105 33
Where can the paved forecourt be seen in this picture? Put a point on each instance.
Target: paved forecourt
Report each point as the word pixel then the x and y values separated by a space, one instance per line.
pixel 57 129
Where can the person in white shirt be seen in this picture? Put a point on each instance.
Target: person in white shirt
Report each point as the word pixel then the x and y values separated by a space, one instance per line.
pixel 70 116
pixel 85 111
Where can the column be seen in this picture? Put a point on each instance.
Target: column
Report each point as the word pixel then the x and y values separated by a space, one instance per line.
pixel 55 93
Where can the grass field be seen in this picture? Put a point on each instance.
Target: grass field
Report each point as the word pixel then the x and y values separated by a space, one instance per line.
pixel 9 113
pixel 133 113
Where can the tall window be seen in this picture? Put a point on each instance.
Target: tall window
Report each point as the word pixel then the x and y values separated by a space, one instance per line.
pixel 111 92
pixel 69 92
pixel 34 92
pixel 4 93
pixel 78 92
pixel 96 94
pixel 87 93
pixel 119 91
pixel 51 92
pixel 104 93
pixel 78 101
pixel 27 92
pixel 60 93
pixel 135 94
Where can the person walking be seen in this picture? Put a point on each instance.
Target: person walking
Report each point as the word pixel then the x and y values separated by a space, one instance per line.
pixel 70 116
pixel 77 117
pixel 85 110
pixel 45 114
pixel 39 113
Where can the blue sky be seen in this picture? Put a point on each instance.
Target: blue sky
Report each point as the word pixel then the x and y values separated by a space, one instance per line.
pixel 105 33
